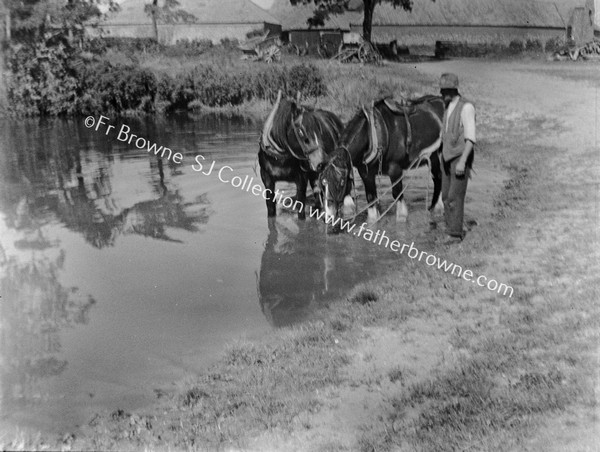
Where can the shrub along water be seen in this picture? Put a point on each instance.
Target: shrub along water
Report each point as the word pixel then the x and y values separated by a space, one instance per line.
pixel 61 81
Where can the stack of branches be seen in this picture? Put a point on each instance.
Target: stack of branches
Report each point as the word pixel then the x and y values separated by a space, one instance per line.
pixel 588 51
pixel 365 52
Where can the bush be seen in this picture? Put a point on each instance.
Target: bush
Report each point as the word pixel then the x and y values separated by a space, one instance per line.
pixel 214 87
pixel 62 81
pixel 187 48
pixel 306 79
pixel 229 43
pixel 534 45
pixel 553 44
pixel 132 46
pixel 515 46
pixel 43 80
pixel 107 88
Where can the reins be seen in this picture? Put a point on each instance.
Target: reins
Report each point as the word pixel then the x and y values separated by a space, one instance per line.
pixel 415 164
pixel 423 156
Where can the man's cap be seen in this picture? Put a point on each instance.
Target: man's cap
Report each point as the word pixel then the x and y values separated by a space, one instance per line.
pixel 449 81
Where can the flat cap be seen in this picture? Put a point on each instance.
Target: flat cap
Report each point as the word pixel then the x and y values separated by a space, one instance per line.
pixel 449 81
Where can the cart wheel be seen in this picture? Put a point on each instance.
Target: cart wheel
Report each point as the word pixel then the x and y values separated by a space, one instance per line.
pixel 574 54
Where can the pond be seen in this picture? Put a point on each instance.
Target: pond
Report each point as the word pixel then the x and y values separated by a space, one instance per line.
pixel 121 273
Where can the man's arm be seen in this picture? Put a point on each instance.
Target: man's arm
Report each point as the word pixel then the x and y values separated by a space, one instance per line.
pixel 467 117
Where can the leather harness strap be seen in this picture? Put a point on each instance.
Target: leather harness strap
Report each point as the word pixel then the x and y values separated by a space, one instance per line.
pixel 408 142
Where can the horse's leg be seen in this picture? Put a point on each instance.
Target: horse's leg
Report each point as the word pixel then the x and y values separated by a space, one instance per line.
pixel 301 184
pixel 436 174
pixel 349 205
pixel 316 189
pixel 395 174
pixel 368 178
pixel 269 183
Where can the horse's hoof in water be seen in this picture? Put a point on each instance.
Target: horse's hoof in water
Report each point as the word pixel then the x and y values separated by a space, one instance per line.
pixel 372 215
pixel 401 212
pixel 349 206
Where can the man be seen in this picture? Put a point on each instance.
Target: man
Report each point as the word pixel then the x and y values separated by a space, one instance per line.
pixel 458 139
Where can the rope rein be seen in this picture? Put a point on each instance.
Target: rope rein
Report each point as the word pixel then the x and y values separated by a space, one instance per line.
pixel 376 200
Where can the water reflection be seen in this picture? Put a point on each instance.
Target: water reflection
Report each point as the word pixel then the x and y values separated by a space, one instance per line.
pixel 59 180
pixel 64 184
pixel 302 267
pixel 35 308
pixel 284 300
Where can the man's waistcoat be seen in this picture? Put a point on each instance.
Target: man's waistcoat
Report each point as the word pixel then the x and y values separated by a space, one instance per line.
pixel 453 138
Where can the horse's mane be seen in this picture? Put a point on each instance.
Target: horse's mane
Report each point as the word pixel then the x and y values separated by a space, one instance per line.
pixel 281 122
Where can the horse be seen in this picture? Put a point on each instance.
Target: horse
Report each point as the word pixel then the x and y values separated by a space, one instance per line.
pixel 387 138
pixel 290 135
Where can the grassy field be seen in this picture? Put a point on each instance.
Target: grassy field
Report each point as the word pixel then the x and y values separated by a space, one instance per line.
pixel 426 361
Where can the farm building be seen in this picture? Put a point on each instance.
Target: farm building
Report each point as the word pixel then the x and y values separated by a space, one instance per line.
pixel 212 19
pixel 470 21
pixel 481 21
pixel 580 28
pixel 296 31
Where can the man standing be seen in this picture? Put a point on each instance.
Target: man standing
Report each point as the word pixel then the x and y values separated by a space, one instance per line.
pixel 458 139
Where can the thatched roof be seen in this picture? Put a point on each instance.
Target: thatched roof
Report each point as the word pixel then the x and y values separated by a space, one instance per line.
pixel 490 13
pixel 295 17
pixel 525 13
pixel 205 11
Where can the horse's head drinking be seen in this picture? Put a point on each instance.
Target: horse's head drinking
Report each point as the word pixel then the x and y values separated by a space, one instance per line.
pixel 335 181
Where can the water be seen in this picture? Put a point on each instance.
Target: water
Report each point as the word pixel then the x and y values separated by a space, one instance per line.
pixel 121 273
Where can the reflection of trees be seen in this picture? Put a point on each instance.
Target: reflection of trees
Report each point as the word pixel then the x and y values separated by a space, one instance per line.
pixel 294 273
pixel 34 307
pixel 53 180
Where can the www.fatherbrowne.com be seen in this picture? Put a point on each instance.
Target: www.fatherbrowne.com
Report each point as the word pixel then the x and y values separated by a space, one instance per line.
pixel 247 184
pixel 380 238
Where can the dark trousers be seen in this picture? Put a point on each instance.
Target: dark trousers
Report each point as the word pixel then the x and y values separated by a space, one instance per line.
pixel 454 190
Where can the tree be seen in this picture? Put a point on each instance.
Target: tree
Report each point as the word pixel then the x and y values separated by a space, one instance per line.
pixel 167 13
pixel 325 8
pixel 31 19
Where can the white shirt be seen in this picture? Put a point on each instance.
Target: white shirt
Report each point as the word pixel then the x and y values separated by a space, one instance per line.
pixel 467 118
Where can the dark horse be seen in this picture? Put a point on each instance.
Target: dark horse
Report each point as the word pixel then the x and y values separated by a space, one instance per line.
pixel 291 134
pixel 387 138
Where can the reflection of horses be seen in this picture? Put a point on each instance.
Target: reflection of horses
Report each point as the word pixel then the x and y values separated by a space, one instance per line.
pixel 385 139
pixel 292 274
pixel 291 134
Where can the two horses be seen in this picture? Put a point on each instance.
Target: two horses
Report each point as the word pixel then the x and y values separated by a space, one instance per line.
pixel 385 138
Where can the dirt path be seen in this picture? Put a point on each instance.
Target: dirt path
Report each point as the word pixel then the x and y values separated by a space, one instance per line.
pixel 529 113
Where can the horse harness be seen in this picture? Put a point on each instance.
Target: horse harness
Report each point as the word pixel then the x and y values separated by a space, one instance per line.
pixel 343 172
pixel 378 135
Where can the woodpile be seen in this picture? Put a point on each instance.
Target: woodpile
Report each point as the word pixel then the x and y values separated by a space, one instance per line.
pixel 364 52
pixel 589 51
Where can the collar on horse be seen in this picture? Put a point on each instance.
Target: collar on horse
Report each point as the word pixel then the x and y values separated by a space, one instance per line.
pixel 378 135
pixel 267 144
